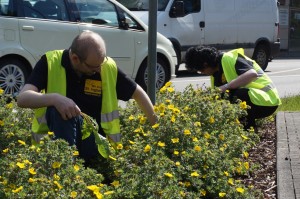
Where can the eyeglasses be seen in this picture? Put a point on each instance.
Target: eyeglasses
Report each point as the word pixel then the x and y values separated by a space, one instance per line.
pixel 91 66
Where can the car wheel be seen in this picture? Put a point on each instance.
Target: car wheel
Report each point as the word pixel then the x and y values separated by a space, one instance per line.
pixel 162 74
pixel 261 56
pixel 13 75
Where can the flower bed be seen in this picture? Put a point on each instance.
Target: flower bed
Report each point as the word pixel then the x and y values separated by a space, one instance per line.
pixel 198 149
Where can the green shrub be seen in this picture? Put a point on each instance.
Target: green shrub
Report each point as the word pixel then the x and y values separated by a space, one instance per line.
pixel 198 149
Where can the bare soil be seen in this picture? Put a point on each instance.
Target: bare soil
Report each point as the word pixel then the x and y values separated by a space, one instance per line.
pixel 264 154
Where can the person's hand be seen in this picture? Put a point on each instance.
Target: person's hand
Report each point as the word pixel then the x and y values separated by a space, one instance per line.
pixel 66 107
pixel 223 88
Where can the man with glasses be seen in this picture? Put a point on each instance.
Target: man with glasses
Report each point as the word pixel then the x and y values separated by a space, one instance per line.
pixel 82 79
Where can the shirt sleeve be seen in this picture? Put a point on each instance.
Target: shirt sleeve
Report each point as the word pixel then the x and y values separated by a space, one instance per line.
pixel 242 65
pixel 125 86
pixel 39 75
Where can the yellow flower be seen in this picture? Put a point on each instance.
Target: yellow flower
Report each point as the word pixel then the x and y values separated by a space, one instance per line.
pixel 162 108
pixel 171 89
pixel 50 133
pixel 226 173
pixel 5 150
pixel 177 163
pixel 161 144
pixel 243 105
pixel 155 126
pixel 203 192
pixel 56 165
pixel 31 180
pixel 187 132
pixel 98 195
pixel 115 183
pixel 18 189
pixel 76 167
pixel 206 135
pixel 195 139
pixel 221 136
pixel 1 91
pixel 211 120
pixel 182 193
pixel 197 124
pixel 56 177
pixel 175 140
pixel 222 194
pixel 246 165
pixel 131 117
pixel 168 84
pixel 194 174
pixel 168 175
pixel 75 153
pixel 197 148
pixel 119 146
pixel 147 148
pixel 9 106
pixel 93 188
pixel 73 194
pixel 230 181
pixel 32 171
pixel 240 190
pixel 21 142
pixel 21 165
pixel 27 162
pixel 1 123
pixel 173 119
pixel 237 121
pixel 108 192
pixel 131 142
pixel 187 184
pixel 57 184
pixel 162 89
pixel 143 120
pixel 176 153
pixel 246 154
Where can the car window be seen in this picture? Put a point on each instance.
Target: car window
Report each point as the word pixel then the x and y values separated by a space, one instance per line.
pixel 7 8
pixel 45 9
pixel 97 12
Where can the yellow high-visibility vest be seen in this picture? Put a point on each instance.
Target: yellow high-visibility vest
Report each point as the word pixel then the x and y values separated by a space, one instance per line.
pixel 262 91
pixel 57 84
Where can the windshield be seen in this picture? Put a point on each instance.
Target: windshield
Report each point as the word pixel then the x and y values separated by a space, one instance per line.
pixel 143 5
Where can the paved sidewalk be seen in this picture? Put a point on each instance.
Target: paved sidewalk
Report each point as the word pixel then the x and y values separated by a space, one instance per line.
pixel 288 155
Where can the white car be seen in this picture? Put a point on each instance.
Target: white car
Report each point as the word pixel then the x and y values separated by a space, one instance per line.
pixel 30 28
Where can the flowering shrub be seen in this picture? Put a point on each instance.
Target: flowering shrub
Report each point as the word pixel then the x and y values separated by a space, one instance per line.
pixel 197 149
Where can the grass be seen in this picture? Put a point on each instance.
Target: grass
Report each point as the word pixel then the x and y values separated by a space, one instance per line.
pixel 291 103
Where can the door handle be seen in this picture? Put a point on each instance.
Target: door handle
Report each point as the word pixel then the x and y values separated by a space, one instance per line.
pixel 28 28
pixel 202 24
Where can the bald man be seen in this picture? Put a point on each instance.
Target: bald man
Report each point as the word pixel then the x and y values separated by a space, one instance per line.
pixel 81 79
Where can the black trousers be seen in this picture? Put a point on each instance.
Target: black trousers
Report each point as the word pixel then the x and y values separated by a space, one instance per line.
pixel 255 112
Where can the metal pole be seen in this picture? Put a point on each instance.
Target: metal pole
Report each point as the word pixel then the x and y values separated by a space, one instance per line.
pixel 152 57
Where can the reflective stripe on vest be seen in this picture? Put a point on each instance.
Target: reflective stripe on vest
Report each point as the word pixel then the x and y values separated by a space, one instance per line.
pixel 261 91
pixel 56 83
pixel 110 122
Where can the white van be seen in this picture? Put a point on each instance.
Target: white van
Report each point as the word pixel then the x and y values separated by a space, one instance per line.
pixel 29 28
pixel 224 24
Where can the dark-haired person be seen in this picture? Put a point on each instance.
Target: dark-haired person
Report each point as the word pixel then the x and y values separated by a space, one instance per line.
pixel 239 74
pixel 81 79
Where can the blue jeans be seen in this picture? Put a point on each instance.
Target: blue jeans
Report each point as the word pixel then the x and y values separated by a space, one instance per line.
pixel 70 130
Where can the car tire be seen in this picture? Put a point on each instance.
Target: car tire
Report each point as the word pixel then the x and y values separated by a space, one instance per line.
pixel 261 56
pixel 162 74
pixel 13 75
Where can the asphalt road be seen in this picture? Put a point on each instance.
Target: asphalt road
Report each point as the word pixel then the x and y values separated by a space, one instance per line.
pixel 285 74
